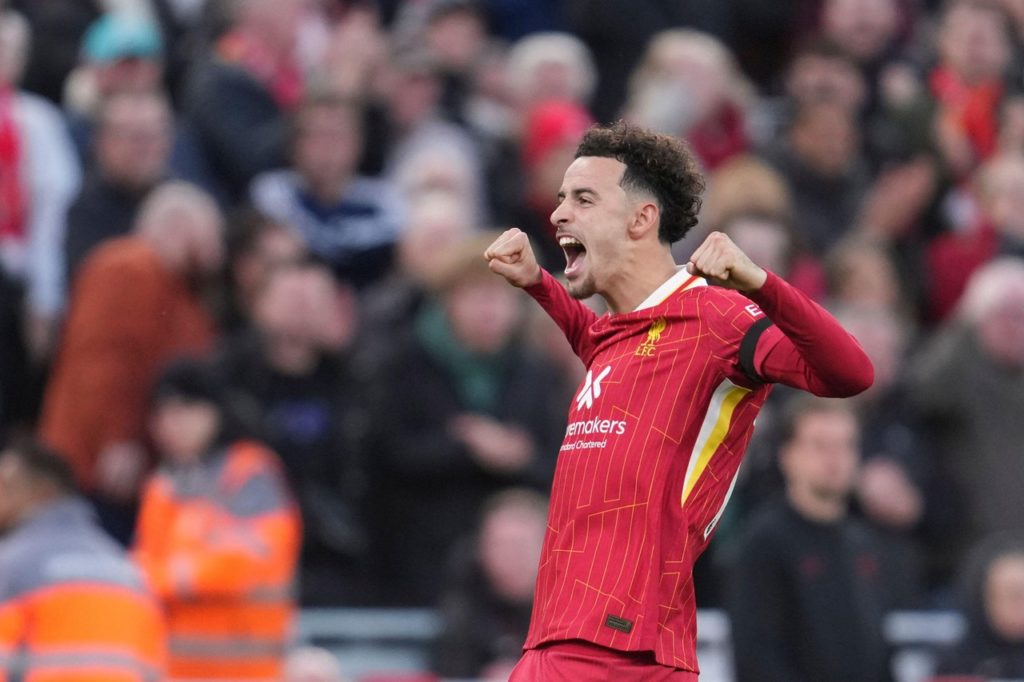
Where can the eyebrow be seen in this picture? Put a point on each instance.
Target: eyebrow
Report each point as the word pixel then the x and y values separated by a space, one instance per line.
pixel 578 192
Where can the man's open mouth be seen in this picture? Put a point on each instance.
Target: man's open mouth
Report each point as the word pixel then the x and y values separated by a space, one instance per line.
pixel 575 254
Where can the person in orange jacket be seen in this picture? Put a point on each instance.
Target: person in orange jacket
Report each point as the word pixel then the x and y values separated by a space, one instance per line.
pixel 73 607
pixel 218 536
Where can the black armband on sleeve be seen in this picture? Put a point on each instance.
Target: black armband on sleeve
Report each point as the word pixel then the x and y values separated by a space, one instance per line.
pixel 749 346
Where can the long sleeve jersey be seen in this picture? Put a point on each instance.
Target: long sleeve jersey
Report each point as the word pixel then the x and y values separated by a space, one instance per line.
pixel 653 444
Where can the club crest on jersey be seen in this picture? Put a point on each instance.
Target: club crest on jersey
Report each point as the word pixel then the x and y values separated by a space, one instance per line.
pixel 646 349
pixel 591 390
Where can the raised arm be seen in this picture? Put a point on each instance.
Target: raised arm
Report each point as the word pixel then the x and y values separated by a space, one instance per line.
pixel 803 346
pixel 512 257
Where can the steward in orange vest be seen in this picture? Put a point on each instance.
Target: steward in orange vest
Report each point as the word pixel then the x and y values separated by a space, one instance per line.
pixel 73 608
pixel 218 537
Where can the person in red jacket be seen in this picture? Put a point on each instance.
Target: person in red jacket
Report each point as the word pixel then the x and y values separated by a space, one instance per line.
pixel 218 536
pixel 135 305
pixel 676 373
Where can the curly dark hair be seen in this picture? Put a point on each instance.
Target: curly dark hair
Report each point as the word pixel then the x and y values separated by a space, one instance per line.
pixel 660 165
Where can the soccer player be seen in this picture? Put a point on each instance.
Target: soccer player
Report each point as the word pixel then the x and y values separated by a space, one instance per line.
pixel 676 373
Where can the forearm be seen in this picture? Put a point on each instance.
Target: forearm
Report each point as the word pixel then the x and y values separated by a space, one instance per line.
pixel 571 316
pixel 815 354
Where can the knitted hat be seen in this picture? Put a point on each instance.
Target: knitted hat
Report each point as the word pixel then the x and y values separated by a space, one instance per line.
pixel 551 124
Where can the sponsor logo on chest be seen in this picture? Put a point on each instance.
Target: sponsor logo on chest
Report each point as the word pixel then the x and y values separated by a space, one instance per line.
pixel 591 425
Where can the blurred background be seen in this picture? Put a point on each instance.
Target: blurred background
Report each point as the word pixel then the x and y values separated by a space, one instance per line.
pixel 242 296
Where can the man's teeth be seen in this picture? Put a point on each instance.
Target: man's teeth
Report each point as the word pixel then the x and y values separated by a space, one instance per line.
pixel 569 241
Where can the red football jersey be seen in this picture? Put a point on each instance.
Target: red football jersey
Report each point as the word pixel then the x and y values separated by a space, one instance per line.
pixel 654 440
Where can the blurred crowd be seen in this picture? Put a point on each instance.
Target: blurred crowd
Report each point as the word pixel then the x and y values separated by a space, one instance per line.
pixel 247 330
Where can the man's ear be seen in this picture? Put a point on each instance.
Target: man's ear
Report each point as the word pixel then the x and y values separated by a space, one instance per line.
pixel 646 218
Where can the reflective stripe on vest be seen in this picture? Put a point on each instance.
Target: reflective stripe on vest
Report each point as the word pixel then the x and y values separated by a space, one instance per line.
pixel 283 595
pixel 228 647
pixel 78 661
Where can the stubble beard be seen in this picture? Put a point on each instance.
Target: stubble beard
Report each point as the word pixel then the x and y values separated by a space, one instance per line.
pixel 582 289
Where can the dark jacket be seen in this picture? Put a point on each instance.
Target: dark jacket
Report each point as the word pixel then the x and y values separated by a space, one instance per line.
pixel 807 601
pixel 480 626
pixel 314 423
pixel 983 652
pixel 427 488
pixel 101 211
pixel 239 126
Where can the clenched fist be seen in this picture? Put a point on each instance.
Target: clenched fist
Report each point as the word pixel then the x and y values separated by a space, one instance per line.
pixel 511 256
pixel 719 259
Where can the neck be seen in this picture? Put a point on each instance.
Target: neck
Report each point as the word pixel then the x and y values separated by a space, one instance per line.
pixel 819 508
pixel 641 276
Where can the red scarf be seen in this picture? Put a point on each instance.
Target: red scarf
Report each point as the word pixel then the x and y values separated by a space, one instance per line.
pixel 719 138
pixel 282 78
pixel 13 204
pixel 975 108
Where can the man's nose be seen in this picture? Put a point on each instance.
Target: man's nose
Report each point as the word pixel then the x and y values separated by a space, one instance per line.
pixel 560 215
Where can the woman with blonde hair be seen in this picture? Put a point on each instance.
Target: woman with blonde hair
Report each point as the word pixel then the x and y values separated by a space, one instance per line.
pixel 689 84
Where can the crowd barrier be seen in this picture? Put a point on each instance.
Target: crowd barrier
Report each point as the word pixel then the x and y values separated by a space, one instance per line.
pixel 371 642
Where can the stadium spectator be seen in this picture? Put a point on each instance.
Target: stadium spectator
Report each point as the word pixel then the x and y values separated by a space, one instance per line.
pixel 977 427
pixel 486 609
pixel 298 388
pixel 993 646
pixel 256 245
pixel 131 152
pixel 868 31
pixel 120 51
pixel 900 491
pixel 538 69
pixel 821 161
pixel 410 141
pixel 969 82
pixel 353 50
pixel 437 221
pixel 690 85
pixel 542 67
pixel 455 32
pixel 347 220
pixel 238 97
pixel 443 164
pixel 745 185
pixel 998 230
pixel 218 535
pixel 463 410
pixel 862 273
pixel 135 305
pixel 822 70
pixel 123 51
pixel 72 606
pixel 618 46
pixel 810 585
pixel 39 176
pixel 750 201
pixel 551 131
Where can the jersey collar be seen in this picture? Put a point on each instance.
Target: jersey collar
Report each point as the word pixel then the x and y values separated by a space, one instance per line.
pixel 681 281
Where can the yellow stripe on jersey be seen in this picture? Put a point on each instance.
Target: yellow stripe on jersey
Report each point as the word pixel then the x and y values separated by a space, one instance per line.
pixel 712 431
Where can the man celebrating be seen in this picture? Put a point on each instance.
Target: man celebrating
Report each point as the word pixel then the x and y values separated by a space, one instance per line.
pixel 676 373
